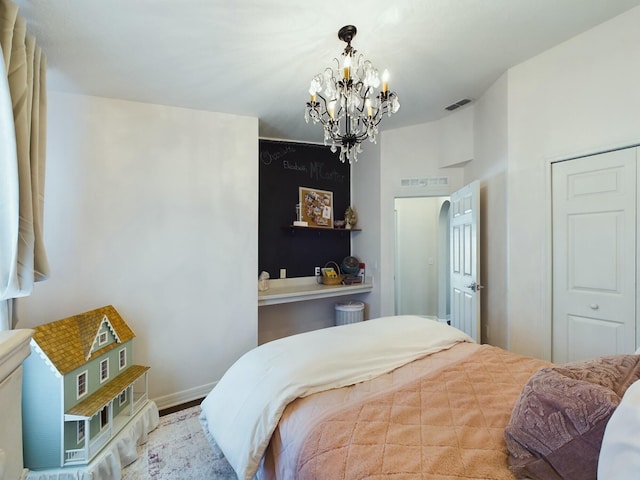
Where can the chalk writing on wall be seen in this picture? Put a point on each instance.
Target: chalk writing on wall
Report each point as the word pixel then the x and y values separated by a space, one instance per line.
pixel 284 167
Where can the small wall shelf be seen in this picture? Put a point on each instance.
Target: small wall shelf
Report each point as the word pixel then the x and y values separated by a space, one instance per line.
pixel 306 288
pixel 293 229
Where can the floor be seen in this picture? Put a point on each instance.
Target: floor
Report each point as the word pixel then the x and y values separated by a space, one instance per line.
pixel 182 406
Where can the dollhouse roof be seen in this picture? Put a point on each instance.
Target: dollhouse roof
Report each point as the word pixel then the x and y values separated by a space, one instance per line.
pixel 96 401
pixel 71 342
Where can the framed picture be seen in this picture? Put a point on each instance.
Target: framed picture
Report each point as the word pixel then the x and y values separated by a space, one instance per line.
pixel 316 207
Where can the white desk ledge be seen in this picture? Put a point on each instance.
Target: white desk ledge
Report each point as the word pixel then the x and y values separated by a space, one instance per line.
pixel 300 289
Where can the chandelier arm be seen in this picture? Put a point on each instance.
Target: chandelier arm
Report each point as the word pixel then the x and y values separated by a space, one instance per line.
pixel 331 70
pixel 377 118
pixel 340 139
pixel 336 137
pixel 362 107
pixel 323 112
pixel 360 137
pixel 324 103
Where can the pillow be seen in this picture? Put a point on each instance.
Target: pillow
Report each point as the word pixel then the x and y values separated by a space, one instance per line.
pixel 620 452
pixel 558 422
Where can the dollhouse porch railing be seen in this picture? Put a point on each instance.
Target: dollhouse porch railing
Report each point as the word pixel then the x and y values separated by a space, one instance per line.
pixel 81 456
pixel 73 457
pixel 138 392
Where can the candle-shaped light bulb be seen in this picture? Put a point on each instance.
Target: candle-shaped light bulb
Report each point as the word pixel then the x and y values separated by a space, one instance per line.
pixel 385 80
pixel 332 109
pixel 313 97
pixel 369 108
pixel 347 67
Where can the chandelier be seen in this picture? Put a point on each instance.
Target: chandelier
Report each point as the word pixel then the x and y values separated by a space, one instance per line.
pixel 344 100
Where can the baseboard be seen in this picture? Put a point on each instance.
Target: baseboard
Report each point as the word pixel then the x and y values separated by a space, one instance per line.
pixel 184 396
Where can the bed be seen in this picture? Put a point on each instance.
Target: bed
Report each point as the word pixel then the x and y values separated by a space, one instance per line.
pixel 408 397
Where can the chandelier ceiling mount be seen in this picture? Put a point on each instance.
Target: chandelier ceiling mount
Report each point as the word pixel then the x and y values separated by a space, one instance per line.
pixel 347 33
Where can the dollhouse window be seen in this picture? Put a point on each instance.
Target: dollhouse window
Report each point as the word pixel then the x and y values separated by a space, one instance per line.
pixel 80 432
pixel 122 398
pixel 104 370
pixel 102 338
pixel 81 384
pixel 122 358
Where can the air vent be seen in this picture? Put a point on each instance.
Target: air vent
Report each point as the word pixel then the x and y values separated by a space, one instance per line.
pixel 422 182
pixel 458 104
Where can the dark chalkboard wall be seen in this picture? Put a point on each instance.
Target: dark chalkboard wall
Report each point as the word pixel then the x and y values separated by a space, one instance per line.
pixel 284 167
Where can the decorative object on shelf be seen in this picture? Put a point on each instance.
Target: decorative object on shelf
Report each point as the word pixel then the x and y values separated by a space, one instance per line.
pixel 344 101
pixel 339 223
pixel 298 221
pixel 351 267
pixel 263 281
pixel 351 217
pixel 331 275
pixel 329 272
pixel 316 207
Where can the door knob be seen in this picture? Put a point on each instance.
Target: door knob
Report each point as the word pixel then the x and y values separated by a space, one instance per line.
pixel 474 287
pixel 594 306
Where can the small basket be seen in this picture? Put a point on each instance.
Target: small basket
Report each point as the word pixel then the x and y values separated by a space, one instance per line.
pixel 333 281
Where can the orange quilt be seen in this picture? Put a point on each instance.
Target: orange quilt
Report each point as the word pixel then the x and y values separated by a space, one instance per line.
pixel 448 424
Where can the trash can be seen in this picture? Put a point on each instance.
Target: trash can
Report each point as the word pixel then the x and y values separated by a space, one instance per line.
pixel 349 312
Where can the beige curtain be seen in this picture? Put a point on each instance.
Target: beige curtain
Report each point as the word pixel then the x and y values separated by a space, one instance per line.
pixel 23 112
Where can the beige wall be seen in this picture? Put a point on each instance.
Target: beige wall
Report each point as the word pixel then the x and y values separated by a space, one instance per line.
pixel 154 209
pixel 411 152
pixel 490 167
pixel 365 195
pixel 582 96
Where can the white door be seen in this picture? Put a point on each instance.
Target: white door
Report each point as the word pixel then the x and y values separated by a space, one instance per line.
pixel 594 256
pixel 465 260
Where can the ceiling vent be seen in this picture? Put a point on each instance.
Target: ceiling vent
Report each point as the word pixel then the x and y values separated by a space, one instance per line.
pixel 422 182
pixel 458 104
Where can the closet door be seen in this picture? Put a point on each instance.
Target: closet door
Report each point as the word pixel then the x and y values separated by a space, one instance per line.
pixel 594 256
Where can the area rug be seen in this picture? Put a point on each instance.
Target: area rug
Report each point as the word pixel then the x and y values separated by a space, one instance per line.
pixel 176 450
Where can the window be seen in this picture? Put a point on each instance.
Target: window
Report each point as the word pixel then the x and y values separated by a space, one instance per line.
pixel 81 384
pixel 80 431
pixel 122 398
pixel 102 338
pixel 104 370
pixel 122 358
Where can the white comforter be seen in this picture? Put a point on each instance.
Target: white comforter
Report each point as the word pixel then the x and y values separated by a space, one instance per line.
pixel 243 409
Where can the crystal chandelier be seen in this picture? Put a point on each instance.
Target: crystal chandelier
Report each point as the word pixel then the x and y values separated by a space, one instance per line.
pixel 344 100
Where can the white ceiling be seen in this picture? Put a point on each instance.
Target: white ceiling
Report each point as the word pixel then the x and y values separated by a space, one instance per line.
pixel 257 57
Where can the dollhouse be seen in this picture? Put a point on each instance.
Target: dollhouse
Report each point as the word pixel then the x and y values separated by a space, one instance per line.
pixel 79 388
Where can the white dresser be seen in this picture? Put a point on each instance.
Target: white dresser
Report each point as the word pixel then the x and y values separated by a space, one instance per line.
pixel 14 348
